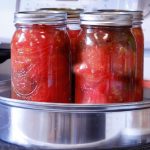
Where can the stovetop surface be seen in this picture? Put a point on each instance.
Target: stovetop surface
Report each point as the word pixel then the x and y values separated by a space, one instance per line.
pixel 7 146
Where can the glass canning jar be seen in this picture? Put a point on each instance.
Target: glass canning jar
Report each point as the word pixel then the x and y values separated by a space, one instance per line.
pixel 106 59
pixel 40 57
pixel 73 30
pixel 139 38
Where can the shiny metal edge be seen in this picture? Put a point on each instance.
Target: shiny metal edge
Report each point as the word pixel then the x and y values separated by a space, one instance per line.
pixel 77 108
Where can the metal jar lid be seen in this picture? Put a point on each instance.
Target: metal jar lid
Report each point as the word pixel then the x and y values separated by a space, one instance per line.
pixel 102 19
pixel 34 17
pixel 137 15
pixel 73 15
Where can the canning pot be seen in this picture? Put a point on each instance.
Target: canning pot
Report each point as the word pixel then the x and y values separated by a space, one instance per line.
pixel 71 126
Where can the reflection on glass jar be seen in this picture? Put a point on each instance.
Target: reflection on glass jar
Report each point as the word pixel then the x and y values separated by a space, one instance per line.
pixel 106 59
pixel 40 58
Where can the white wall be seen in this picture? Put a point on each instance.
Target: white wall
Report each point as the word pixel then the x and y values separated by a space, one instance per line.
pixel 146 28
pixel 7 9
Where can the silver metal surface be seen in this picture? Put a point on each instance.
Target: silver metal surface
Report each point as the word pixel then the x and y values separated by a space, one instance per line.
pixel 70 126
pixel 34 17
pixel 103 19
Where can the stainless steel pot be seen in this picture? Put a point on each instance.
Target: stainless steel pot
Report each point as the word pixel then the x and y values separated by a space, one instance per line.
pixel 70 126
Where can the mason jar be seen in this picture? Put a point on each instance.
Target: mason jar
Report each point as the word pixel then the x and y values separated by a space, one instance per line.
pixel 137 31
pixel 40 58
pixel 105 68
